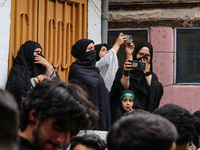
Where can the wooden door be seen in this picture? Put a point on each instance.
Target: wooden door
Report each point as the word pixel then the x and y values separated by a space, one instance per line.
pixel 55 24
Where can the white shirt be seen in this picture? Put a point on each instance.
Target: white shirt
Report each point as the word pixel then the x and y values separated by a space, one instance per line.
pixel 108 66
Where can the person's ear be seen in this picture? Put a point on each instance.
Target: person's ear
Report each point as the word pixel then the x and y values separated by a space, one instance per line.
pixel 33 116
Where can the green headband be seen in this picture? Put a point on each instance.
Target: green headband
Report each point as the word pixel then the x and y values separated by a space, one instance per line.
pixel 127 95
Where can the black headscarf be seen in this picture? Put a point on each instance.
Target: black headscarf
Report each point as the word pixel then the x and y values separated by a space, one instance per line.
pixel 79 48
pixel 23 70
pixel 84 70
pixel 147 97
pixel 139 47
pixel 120 111
pixel 98 48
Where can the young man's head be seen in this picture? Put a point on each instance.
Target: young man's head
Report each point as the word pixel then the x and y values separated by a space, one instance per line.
pixel 196 116
pixel 142 131
pixel 183 121
pixel 51 110
pixel 8 122
pixel 87 142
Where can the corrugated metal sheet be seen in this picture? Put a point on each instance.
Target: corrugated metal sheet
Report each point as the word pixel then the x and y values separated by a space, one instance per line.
pixel 55 24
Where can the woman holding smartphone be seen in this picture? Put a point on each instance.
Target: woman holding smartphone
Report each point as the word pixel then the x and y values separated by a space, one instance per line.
pixel 144 83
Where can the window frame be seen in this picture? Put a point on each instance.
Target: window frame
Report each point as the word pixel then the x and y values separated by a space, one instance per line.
pixel 176 52
pixel 129 29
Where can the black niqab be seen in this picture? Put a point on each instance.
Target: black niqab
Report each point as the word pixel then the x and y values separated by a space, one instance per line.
pixel 146 97
pixel 84 70
pixel 23 70
pixel 79 48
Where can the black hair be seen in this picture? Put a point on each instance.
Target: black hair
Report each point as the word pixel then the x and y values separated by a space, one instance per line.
pixel 181 118
pixel 196 116
pixel 66 103
pixel 141 131
pixel 134 111
pixel 8 121
pixel 88 140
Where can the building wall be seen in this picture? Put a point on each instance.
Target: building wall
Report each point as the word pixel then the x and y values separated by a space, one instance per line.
pixel 94 21
pixel 5 8
pixel 162 39
pixel 94 32
pixel 161 18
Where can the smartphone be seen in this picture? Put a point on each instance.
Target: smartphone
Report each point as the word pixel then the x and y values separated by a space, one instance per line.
pixel 129 38
pixel 139 65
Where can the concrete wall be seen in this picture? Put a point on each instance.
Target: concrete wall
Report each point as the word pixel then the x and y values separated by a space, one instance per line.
pixel 94 21
pixel 187 96
pixel 5 8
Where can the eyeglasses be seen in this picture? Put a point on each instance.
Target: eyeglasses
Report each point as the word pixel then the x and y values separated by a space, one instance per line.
pixel 143 54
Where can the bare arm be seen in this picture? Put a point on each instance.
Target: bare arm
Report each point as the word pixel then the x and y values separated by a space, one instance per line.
pixel 125 77
pixel 119 41
pixel 129 48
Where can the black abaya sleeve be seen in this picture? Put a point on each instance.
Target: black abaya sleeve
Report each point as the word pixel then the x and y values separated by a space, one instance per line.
pixel 156 92
pixel 116 90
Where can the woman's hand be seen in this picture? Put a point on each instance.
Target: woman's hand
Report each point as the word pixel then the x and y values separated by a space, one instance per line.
pixel 148 64
pixel 147 68
pixel 127 65
pixel 120 40
pixel 129 48
pixel 41 60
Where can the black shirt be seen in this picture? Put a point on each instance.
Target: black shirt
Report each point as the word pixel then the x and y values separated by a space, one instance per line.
pixel 25 144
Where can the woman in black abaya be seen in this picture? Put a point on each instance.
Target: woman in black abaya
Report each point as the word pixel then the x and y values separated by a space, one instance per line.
pixel 84 70
pixel 29 68
pixel 144 83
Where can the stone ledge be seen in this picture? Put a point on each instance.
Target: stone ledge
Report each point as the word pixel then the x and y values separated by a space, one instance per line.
pixel 152 5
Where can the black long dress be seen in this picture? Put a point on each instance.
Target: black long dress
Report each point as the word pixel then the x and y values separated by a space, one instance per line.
pixel 146 97
pixel 84 70
pixel 23 70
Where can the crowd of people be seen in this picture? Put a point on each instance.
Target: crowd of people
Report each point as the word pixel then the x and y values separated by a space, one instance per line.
pixel 38 111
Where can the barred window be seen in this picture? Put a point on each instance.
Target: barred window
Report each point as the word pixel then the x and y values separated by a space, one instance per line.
pixel 187 56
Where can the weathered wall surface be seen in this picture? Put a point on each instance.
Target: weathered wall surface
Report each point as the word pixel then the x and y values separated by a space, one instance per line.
pixel 5 7
pixel 154 14
pixel 187 96
pixel 94 21
pixel 161 17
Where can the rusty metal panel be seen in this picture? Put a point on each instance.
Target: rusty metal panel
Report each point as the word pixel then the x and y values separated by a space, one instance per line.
pixel 55 24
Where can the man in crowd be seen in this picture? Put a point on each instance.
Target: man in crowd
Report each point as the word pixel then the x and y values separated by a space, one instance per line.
pixel 142 131
pixel 87 142
pixel 8 122
pixel 50 111
pixel 196 141
pixel 183 121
